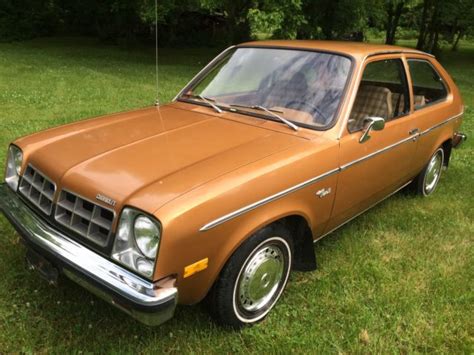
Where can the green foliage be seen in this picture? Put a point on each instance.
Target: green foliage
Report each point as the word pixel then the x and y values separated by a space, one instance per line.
pixel 457 20
pixel 277 18
pixel 222 22
pixel 406 33
pixel 235 12
pixel 447 21
pixel 185 22
pixel 264 23
pixel 147 10
pixel 336 19
pixel 23 19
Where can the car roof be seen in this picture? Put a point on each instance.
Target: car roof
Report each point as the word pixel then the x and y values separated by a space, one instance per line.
pixel 355 49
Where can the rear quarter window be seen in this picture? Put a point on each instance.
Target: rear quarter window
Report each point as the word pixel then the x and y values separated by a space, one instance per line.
pixel 428 86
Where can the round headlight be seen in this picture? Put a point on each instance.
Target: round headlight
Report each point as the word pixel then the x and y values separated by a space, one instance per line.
pixel 17 159
pixel 147 236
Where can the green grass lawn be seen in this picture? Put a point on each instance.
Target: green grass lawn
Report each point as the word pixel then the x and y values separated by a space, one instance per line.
pixel 398 279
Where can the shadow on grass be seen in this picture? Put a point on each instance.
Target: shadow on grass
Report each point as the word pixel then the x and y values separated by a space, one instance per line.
pixel 90 51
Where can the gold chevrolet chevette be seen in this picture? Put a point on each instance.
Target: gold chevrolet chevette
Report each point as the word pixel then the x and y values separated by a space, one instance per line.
pixel 222 192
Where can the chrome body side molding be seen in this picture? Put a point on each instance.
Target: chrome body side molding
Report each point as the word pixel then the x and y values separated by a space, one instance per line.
pixel 371 155
pixel 288 191
pixel 266 200
pixel 441 124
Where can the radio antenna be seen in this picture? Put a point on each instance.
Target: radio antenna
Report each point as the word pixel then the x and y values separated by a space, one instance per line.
pixel 157 102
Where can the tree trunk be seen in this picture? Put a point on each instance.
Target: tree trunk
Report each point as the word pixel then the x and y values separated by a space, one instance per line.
pixel 434 28
pixel 393 21
pixel 238 27
pixel 454 48
pixel 431 39
pixel 423 27
pixel 435 46
pixel 389 25
pixel 396 21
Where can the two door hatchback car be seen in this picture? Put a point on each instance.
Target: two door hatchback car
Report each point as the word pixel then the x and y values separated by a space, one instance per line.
pixel 222 192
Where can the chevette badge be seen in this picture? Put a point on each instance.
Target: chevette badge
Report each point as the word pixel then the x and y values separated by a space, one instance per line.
pixel 323 192
pixel 106 200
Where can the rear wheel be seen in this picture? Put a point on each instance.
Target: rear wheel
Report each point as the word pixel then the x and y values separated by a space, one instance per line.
pixel 253 279
pixel 428 179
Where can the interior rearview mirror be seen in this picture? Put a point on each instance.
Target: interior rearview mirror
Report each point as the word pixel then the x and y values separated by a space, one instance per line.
pixel 372 124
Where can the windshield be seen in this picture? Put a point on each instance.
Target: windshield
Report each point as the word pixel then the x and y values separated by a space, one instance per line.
pixel 304 87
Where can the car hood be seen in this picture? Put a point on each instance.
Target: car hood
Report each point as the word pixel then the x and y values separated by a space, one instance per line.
pixel 170 149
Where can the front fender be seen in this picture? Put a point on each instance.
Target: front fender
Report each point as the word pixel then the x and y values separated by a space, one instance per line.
pixel 184 243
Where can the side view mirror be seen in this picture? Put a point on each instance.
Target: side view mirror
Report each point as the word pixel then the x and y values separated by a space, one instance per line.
pixel 373 124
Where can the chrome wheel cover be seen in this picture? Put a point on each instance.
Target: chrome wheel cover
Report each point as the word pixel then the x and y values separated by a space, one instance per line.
pixel 433 172
pixel 262 279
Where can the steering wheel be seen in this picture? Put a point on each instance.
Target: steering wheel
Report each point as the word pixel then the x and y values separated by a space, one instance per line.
pixel 313 108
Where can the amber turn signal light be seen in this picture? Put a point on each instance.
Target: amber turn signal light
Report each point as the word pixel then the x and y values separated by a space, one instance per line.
pixel 196 267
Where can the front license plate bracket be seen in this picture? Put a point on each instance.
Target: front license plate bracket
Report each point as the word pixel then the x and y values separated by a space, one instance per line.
pixel 43 267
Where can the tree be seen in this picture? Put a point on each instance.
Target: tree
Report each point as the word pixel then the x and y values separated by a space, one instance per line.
pixel 277 18
pixel 448 20
pixel 429 26
pixel 458 20
pixel 236 15
pixel 220 22
pixel 337 19
pixel 24 19
pixel 394 10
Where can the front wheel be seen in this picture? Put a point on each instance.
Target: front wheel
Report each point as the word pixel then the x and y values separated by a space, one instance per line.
pixel 253 279
pixel 428 179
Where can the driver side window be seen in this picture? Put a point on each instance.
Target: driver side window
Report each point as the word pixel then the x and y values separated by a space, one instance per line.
pixel 383 92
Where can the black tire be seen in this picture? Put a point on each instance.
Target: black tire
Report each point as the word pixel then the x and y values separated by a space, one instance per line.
pixel 421 185
pixel 230 300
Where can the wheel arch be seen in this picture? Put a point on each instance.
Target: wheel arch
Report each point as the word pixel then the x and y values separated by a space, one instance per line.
pixel 304 255
pixel 304 258
pixel 302 236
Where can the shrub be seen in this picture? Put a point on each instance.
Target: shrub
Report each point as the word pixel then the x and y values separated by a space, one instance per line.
pixel 24 19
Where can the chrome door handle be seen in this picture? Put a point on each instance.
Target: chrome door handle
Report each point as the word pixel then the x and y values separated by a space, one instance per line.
pixel 414 132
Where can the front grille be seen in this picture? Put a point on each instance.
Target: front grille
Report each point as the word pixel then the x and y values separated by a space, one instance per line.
pixel 38 189
pixel 87 219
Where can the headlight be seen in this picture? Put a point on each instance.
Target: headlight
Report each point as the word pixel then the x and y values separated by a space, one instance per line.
pixel 147 236
pixel 14 162
pixel 137 241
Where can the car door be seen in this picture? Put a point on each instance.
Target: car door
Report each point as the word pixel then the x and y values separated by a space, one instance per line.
pixel 375 168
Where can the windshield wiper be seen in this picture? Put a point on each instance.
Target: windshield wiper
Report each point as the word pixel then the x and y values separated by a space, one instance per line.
pixel 271 112
pixel 208 101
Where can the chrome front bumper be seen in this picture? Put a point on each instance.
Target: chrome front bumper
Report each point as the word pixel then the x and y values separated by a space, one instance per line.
pixel 150 303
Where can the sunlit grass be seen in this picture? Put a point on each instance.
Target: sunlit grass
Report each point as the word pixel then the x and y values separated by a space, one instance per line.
pixel 397 279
